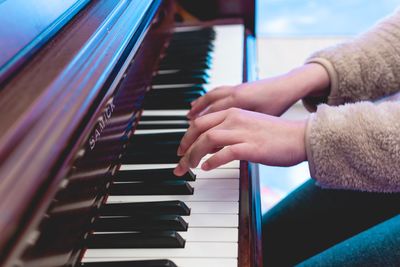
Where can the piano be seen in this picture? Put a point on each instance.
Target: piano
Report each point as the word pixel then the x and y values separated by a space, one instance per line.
pixel 93 98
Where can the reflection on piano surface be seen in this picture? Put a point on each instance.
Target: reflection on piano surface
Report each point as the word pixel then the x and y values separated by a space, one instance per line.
pixel 94 119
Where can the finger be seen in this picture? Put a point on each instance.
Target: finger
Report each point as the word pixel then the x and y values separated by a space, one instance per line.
pixel 235 152
pixel 208 142
pixel 219 105
pixel 202 102
pixel 199 126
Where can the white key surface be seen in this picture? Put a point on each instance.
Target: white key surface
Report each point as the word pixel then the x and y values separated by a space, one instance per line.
pixel 227 64
pixel 180 262
pixel 213 207
pixel 227 195
pixel 215 184
pixel 191 250
pixel 211 234
pixel 212 220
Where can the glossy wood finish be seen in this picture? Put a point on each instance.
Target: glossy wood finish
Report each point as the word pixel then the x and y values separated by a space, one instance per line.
pixel 38 147
pixel 41 21
pixel 48 172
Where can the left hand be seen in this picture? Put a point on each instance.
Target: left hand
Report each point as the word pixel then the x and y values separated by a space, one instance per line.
pixel 236 134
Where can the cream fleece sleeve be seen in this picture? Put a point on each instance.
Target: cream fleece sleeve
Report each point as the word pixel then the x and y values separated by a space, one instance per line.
pixel 365 68
pixel 357 146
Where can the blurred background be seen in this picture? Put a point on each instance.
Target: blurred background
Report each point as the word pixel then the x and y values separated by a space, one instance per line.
pixel 288 32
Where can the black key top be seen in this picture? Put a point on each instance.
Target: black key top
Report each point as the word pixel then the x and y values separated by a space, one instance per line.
pixel 141 263
pixel 185 65
pixel 167 239
pixel 144 188
pixel 141 223
pixel 181 104
pixel 152 175
pixel 145 208
pixel 164 118
pixel 173 79
pixel 157 137
pixel 156 149
pixel 150 158
pixel 198 88
pixel 172 94
pixel 162 126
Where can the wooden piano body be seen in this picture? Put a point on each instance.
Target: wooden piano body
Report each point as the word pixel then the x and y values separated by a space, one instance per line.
pixel 63 92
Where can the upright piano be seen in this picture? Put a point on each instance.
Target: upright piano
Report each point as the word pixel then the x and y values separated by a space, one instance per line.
pixel 93 98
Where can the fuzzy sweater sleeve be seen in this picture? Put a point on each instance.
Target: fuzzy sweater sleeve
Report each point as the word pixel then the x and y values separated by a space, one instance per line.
pixel 357 146
pixel 365 68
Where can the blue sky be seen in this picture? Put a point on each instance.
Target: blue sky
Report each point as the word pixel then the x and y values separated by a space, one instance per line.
pixel 320 17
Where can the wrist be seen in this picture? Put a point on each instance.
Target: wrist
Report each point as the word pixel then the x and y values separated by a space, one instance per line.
pixel 310 79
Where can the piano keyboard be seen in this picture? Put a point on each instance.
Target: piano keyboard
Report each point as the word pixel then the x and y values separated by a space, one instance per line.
pixel 152 218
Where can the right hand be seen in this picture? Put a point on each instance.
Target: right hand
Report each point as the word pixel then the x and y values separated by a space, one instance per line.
pixel 271 96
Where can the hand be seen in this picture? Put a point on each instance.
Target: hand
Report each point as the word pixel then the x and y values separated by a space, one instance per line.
pixel 236 134
pixel 270 96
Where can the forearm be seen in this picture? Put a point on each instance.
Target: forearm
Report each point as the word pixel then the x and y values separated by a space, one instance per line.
pixel 355 146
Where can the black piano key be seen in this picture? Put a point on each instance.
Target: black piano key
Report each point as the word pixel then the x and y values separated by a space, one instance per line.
pixel 207 47
pixel 146 188
pixel 171 79
pixel 154 105
pixel 165 239
pixel 145 158
pixel 139 263
pixel 145 208
pixel 185 65
pixel 187 60
pixel 152 175
pixel 200 52
pixel 140 223
pixel 162 126
pixel 181 90
pixel 157 137
pixel 157 150
pixel 172 94
pixel 164 118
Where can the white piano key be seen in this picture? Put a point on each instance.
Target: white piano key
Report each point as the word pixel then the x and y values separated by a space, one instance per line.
pixel 180 262
pixel 200 234
pixel 221 195
pixel 211 234
pixel 191 250
pixel 213 207
pixel 215 184
pixel 227 65
pixel 230 165
pixel 219 173
pixel 157 131
pixel 165 112
pixel 209 207
pixel 127 167
pixel 212 220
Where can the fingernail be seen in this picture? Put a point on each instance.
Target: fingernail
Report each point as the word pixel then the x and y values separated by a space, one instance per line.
pixel 179 152
pixel 178 170
pixel 205 166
